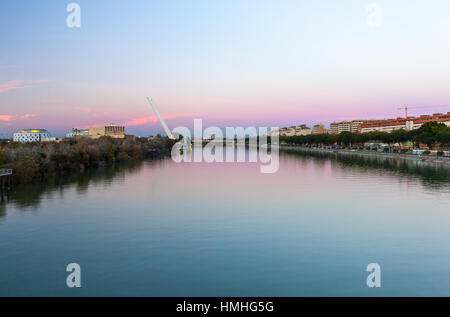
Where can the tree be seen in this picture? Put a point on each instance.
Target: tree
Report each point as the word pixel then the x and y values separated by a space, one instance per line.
pixel 346 138
pixel 2 156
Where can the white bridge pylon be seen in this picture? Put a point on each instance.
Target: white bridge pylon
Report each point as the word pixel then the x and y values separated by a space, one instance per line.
pixel 160 118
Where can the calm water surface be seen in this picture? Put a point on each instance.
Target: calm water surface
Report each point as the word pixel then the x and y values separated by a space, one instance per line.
pixel 167 229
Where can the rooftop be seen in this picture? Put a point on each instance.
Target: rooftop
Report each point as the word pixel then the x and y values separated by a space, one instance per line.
pixel 32 131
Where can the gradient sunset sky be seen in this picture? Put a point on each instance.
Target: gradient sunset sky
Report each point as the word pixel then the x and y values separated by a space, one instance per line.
pixel 229 62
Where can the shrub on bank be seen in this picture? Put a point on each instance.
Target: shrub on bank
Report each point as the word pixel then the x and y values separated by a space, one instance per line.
pixel 34 161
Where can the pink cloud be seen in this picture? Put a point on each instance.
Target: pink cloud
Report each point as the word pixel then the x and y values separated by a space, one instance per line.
pixel 83 109
pixel 9 118
pixel 28 115
pixel 154 118
pixel 18 84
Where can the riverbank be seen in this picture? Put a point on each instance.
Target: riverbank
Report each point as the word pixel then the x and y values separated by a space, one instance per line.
pixel 445 161
pixel 32 162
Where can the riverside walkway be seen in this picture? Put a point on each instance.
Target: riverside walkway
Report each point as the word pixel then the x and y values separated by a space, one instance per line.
pixel 441 160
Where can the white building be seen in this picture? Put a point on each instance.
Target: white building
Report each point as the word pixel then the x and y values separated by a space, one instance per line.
pixel 355 125
pixel 344 126
pixel 288 131
pixel 78 132
pixel 32 135
pixel 302 130
pixel 295 131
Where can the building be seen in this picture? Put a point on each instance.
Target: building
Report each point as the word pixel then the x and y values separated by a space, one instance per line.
pixel 295 131
pixel 288 131
pixel 32 135
pixel 334 128
pixel 112 130
pixel 78 132
pixel 354 125
pixel 302 130
pixel 338 127
pixel 410 123
pixel 344 126
pixel 319 129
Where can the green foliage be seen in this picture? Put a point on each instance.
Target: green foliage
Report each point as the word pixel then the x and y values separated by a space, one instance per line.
pixel 429 133
pixel 2 156
pixel 25 170
pixel 33 161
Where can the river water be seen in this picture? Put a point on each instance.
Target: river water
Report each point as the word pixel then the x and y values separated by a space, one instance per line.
pixel 221 229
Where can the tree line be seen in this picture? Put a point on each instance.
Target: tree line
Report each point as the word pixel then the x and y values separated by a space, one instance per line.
pixel 429 133
pixel 36 161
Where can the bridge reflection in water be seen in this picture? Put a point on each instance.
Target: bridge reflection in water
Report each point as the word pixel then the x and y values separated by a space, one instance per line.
pixel 5 178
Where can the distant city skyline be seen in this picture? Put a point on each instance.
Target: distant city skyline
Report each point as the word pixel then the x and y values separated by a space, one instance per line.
pixel 246 62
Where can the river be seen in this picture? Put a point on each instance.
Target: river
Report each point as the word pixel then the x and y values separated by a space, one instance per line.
pixel 162 228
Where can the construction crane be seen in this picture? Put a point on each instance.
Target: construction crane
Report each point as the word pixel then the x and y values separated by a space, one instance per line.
pixel 405 108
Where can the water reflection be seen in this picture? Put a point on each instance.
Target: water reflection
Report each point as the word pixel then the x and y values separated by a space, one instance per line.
pixel 166 229
pixel 431 175
pixel 30 196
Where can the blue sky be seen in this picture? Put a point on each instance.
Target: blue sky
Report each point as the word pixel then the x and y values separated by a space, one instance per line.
pixel 229 62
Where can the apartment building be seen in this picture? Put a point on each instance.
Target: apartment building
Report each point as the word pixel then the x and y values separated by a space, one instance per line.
pixel 319 129
pixel 346 126
pixel 410 123
pixel 288 131
pixel 295 130
pixel 302 130
pixel 355 125
pixel 334 128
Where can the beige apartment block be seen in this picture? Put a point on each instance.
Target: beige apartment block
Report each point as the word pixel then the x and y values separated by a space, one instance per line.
pixel 319 129
pixel 344 126
pixel 355 125
pixel 302 130
pixel 287 131
pixel 295 131
pixel 334 128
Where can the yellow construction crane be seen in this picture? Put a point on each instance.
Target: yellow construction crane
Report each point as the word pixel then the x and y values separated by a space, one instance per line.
pixel 405 108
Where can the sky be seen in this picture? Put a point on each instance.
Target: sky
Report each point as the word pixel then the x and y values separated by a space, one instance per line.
pixel 228 62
